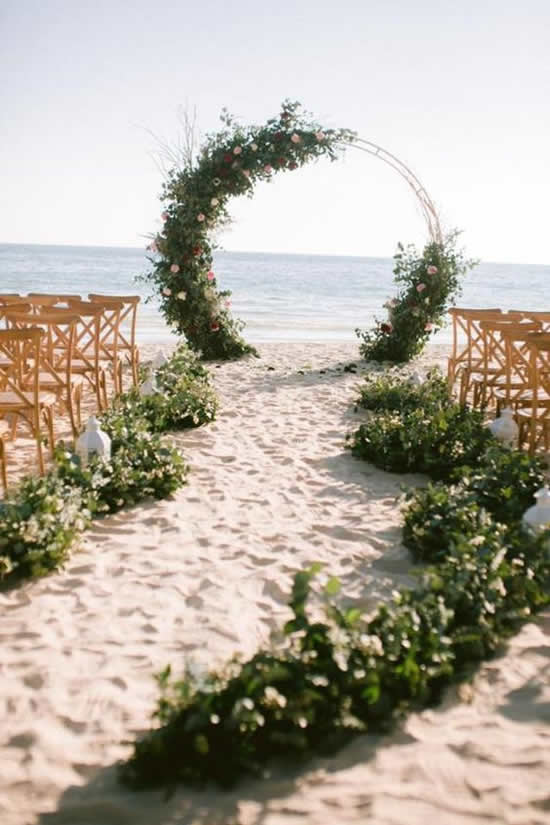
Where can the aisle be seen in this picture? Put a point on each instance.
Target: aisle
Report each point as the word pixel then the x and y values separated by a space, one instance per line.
pixel 208 573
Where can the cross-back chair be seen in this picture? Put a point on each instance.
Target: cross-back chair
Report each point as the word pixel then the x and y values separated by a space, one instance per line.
pixel 502 373
pixel 126 336
pixel 55 357
pixel 21 396
pixel 534 419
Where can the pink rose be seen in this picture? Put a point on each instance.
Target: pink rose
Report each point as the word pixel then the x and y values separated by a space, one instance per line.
pixel 174 268
pixel 237 150
pixel 164 216
pixel 201 217
pixel 268 168
pixel 152 247
pixel 421 287
pixel 228 304
pixel 167 291
pixel 210 275
pixel 320 136
pixel 246 172
pixel 428 327
pixel 296 138
pixel 214 326
pixel 432 270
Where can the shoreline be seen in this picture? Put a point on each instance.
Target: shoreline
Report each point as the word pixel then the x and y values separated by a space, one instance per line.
pixel 207 573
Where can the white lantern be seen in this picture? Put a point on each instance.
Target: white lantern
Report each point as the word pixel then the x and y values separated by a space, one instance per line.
pixel 537 517
pixel 93 442
pixel 159 360
pixel 149 386
pixel 504 428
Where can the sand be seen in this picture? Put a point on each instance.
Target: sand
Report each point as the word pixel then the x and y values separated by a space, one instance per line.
pixel 207 573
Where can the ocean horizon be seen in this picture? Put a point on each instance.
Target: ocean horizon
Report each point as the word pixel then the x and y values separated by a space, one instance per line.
pixel 279 296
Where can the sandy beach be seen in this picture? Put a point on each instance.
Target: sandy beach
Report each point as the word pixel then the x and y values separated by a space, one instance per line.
pixel 207 573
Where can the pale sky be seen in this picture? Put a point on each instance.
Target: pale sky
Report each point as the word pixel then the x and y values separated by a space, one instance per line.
pixel 459 91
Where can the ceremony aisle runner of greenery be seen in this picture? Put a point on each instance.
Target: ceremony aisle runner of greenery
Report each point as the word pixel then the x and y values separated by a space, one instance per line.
pixel 330 679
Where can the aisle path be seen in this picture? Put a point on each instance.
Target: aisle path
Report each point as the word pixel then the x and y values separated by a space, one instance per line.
pixel 208 573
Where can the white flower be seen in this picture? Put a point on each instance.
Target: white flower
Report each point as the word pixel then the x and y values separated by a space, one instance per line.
pixel 167 291
pixel 320 136
pixel 214 202
pixel 254 147
pixel 296 138
pixel 181 296
pixel 201 217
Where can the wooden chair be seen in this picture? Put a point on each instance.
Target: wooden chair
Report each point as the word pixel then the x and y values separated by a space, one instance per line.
pixel 55 357
pixel 502 372
pixel 57 298
pixel 534 418
pixel 4 434
pixel 87 359
pixel 21 397
pixel 126 343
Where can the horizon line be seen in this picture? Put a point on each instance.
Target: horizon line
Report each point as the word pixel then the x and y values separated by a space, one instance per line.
pixel 250 252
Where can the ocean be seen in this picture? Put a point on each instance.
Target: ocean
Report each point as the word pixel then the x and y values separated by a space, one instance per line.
pixel 279 297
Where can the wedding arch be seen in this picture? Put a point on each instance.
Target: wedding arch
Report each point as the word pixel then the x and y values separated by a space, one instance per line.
pixel 230 163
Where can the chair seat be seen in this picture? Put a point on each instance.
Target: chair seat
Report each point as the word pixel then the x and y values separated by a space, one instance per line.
pixel 10 401
pixel 48 382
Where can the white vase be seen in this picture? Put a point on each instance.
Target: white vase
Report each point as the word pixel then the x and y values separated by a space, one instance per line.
pixel 505 428
pixel 537 517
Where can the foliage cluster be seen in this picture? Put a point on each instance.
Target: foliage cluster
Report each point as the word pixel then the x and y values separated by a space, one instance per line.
pixel 195 198
pixel 428 283
pixel 417 429
pixel 344 673
pixel 41 518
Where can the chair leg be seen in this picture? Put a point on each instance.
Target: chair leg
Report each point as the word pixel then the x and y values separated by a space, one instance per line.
pixel 135 366
pixel 3 465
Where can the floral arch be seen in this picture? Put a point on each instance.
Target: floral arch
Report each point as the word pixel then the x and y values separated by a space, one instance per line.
pixel 230 163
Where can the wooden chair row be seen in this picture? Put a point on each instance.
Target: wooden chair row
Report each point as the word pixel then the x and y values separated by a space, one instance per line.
pixel 499 360
pixel 52 347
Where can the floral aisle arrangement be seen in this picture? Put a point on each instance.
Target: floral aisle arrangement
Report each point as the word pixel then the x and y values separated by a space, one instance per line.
pixel 42 518
pixel 428 284
pixel 195 199
pixel 345 674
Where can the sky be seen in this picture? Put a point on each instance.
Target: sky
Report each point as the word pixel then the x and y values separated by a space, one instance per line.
pixel 459 92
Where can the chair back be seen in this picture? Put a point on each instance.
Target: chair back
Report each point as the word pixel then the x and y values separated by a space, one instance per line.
pixel 127 326
pixel 19 368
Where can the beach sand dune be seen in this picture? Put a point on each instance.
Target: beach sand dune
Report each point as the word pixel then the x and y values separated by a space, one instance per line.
pixel 196 578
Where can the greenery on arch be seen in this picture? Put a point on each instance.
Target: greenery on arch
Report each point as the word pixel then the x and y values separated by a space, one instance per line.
pixel 195 199
pixel 428 283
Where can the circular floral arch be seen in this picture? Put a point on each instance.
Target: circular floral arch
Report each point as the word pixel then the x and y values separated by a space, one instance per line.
pixel 230 163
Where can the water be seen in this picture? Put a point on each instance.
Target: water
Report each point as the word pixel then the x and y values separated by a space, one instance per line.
pixel 280 297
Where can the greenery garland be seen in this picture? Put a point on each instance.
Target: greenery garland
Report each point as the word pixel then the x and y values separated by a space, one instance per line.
pixel 230 163
pixel 428 284
pixel 348 674
pixel 42 518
